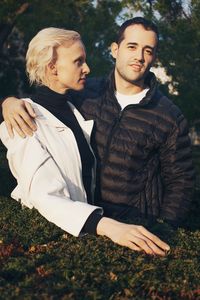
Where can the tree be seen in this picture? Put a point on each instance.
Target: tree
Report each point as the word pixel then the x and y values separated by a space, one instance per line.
pixel 180 53
pixel 179 49
pixel 96 23
pixel 11 50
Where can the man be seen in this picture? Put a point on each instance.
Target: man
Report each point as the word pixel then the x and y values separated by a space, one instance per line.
pixel 140 139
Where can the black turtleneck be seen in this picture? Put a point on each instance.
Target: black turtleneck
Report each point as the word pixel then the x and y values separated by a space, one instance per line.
pixel 57 104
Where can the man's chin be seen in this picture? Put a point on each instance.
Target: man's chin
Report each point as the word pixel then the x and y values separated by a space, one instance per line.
pixel 136 81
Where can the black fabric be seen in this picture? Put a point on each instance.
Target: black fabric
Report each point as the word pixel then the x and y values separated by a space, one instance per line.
pixel 90 225
pixel 143 152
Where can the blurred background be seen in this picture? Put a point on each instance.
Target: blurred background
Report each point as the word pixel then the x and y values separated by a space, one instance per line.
pixel 177 66
pixel 38 261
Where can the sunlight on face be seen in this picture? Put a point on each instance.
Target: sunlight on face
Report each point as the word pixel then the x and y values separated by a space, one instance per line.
pixel 135 54
pixel 70 68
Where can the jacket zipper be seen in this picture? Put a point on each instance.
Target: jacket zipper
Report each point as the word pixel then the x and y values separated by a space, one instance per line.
pixel 113 129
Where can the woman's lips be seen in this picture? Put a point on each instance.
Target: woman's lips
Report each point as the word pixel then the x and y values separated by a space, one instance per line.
pixel 82 80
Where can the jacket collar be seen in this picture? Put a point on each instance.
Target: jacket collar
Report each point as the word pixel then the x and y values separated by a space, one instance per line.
pixel 150 81
pixel 50 120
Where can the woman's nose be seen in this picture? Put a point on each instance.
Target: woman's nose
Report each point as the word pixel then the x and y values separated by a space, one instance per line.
pixel 86 69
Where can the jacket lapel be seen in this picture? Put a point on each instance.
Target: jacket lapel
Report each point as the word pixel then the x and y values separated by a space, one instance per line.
pixel 51 120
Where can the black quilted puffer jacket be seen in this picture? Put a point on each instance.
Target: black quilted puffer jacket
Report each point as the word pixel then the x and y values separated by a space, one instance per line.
pixel 143 152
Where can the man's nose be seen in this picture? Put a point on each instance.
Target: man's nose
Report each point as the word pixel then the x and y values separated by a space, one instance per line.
pixel 139 55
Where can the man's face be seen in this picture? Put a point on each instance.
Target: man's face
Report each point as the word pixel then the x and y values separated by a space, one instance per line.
pixel 70 66
pixel 134 55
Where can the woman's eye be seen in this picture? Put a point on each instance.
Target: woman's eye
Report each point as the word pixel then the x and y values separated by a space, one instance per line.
pixel 79 62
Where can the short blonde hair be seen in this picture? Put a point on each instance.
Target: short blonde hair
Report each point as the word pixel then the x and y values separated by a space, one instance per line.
pixel 41 51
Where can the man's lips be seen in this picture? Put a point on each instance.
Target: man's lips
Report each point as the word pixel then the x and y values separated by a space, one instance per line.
pixel 136 67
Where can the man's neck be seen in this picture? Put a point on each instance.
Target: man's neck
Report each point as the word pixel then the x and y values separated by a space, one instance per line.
pixel 127 88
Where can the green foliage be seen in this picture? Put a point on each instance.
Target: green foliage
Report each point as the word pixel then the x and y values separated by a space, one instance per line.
pixel 179 51
pixel 40 261
pixel 95 23
pixel 180 48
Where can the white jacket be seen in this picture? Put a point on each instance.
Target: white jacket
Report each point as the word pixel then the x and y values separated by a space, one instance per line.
pixel 48 170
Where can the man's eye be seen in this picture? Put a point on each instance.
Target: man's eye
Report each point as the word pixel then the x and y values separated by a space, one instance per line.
pixel 149 52
pixel 131 47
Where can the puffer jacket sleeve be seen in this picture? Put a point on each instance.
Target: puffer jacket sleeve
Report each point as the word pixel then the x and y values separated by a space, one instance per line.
pixel 177 172
pixel 41 184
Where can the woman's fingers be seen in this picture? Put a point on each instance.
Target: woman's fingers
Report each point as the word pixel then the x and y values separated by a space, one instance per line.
pixel 154 239
pixel 140 243
pixel 132 246
pixel 132 236
pixel 148 246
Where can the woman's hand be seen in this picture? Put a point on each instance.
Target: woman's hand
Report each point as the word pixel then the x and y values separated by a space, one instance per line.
pixel 132 236
pixel 18 115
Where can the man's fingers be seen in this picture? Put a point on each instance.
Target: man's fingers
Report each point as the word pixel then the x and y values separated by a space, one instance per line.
pixel 18 129
pixel 18 115
pixel 10 130
pixel 154 238
pixel 27 121
pixel 19 123
pixel 30 109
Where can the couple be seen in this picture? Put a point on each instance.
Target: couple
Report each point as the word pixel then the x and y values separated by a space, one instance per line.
pixel 140 139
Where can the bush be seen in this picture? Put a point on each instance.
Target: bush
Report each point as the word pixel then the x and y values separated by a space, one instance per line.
pixel 40 261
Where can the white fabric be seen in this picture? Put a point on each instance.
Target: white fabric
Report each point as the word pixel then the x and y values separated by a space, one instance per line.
pixel 125 100
pixel 48 170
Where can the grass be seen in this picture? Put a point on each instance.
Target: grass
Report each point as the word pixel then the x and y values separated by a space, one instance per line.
pixel 40 261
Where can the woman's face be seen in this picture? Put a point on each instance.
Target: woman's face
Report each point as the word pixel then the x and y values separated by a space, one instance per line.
pixel 70 68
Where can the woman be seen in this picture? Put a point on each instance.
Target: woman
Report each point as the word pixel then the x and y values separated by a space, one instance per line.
pixel 55 167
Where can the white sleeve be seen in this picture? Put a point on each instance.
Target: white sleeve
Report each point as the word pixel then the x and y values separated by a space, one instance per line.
pixel 43 185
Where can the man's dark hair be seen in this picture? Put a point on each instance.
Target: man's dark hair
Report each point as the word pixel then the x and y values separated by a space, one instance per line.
pixel 148 25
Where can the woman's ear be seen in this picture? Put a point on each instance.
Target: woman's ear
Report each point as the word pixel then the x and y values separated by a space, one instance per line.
pixel 114 49
pixel 52 68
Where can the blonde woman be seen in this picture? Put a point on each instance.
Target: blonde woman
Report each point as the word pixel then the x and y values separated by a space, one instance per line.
pixel 54 168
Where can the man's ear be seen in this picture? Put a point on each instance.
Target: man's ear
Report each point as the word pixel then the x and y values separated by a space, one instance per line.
pixel 114 49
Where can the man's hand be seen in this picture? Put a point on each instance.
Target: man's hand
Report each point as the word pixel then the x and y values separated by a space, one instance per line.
pixel 132 236
pixel 18 115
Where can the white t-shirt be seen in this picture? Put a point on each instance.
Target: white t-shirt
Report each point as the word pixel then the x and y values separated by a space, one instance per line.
pixel 125 100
